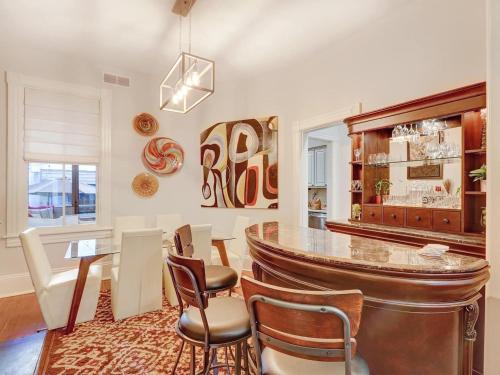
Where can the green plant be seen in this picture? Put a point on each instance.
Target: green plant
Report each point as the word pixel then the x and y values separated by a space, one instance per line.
pixel 356 208
pixel 382 186
pixel 478 174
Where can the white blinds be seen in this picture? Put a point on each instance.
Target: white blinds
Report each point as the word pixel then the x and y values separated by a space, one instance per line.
pixel 61 127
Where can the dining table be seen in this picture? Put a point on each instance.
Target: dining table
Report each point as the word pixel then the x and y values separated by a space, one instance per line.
pixel 87 251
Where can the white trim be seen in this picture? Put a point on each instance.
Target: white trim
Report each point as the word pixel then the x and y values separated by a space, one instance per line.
pixel 16 165
pixel 50 235
pixel 20 283
pixel 299 155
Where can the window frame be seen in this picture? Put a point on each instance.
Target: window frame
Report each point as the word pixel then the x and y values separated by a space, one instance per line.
pixel 17 167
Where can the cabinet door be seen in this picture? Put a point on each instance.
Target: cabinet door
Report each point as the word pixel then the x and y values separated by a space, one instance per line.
pixel 320 160
pixel 310 167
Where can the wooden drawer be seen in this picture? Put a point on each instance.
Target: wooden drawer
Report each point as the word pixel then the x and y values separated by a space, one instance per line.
pixel 446 221
pixel 419 218
pixel 372 214
pixel 394 216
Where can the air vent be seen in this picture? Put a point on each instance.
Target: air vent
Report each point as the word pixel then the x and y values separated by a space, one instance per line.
pixel 116 80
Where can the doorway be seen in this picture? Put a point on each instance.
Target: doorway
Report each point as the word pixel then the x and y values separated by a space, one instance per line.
pixel 328 156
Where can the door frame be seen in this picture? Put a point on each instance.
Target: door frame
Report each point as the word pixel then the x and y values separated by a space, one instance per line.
pixel 299 155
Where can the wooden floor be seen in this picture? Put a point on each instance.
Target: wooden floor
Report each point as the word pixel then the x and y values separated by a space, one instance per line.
pixel 22 333
pixel 20 316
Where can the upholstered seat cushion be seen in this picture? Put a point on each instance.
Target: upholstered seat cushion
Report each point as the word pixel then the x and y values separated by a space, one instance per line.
pixel 220 277
pixel 227 318
pixel 277 363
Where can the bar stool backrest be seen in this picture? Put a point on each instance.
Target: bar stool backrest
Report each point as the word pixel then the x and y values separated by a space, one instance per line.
pixel 188 276
pixel 183 240
pixel 316 325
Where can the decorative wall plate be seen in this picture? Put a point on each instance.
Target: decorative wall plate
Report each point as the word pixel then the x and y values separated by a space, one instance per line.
pixel 145 124
pixel 145 185
pixel 163 155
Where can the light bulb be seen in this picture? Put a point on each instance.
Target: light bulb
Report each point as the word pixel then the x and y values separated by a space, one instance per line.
pixel 176 98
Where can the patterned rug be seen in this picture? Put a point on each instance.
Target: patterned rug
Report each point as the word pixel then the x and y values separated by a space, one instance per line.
pixel 145 344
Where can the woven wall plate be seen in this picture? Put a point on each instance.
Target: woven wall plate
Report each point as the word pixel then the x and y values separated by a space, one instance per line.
pixel 145 124
pixel 145 185
pixel 163 155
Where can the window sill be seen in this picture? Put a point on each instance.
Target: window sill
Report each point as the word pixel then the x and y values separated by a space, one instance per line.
pixel 63 234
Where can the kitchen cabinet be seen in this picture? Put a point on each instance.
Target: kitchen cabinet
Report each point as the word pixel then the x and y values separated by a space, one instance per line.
pixel 316 165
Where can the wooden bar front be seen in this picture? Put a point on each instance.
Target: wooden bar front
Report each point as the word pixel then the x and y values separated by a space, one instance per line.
pixel 419 314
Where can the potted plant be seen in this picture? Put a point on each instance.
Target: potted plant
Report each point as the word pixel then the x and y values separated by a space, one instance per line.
pixel 356 211
pixel 381 188
pixel 479 175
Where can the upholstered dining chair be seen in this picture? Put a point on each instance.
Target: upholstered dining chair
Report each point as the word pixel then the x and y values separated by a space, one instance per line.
pixel 136 284
pixel 169 223
pixel 122 223
pixel 218 278
pixel 237 249
pixel 208 323
pixel 297 332
pixel 202 241
pixel 55 291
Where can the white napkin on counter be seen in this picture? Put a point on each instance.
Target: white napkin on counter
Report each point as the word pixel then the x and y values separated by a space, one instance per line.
pixel 433 250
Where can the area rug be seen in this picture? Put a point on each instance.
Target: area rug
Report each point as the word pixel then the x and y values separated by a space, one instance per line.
pixel 146 344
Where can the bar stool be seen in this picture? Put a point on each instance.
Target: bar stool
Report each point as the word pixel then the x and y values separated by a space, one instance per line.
pixel 208 323
pixel 304 332
pixel 218 277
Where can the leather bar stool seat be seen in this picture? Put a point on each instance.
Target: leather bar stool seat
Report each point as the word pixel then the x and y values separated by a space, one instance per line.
pixel 227 318
pixel 220 277
pixel 277 363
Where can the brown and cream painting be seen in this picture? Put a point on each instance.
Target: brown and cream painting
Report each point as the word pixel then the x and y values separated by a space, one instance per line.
pixel 239 161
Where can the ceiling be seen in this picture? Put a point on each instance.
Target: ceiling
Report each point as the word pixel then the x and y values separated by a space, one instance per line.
pixel 142 35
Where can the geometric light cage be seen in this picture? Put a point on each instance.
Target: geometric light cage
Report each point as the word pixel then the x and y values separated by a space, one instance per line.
pixel 187 84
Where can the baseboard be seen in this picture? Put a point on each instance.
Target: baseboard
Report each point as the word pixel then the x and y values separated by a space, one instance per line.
pixel 20 283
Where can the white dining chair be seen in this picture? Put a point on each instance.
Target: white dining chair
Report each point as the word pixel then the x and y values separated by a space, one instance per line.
pixel 169 223
pixel 122 223
pixel 237 249
pixel 202 242
pixel 55 291
pixel 136 284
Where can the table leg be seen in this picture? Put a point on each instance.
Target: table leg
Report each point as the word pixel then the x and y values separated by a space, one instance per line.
pixel 81 279
pixel 221 247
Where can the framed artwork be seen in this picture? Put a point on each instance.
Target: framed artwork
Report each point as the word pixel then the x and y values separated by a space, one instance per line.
pixel 417 151
pixel 239 163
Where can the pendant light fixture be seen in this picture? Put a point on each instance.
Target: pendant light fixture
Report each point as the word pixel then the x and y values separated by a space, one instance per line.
pixel 189 81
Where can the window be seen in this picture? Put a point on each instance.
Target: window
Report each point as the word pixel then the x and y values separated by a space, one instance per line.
pixel 61 194
pixel 59 147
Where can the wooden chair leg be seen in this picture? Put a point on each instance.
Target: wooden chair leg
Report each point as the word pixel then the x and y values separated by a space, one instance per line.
pixel 192 361
pixel 237 360
pixel 178 357
pixel 245 357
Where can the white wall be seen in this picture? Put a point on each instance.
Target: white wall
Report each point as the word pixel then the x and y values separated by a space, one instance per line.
pixel 425 47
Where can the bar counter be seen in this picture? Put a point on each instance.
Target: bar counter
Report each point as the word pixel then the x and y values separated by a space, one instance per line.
pixel 419 312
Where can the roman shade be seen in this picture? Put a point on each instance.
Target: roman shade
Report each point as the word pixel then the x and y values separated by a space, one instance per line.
pixel 61 127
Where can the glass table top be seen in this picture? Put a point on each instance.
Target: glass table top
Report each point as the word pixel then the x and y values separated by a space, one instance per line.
pixel 91 247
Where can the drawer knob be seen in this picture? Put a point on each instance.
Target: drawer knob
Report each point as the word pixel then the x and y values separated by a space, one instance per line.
pixel 418 218
pixel 372 214
pixel 393 216
pixel 446 221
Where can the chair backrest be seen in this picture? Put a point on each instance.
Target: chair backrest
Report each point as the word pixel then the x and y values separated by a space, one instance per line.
pixel 169 223
pixel 202 241
pixel 122 223
pixel 317 325
pixel 188 276
pixel 36 258
pixel 183 241
pixel 239 245
pixel 140 266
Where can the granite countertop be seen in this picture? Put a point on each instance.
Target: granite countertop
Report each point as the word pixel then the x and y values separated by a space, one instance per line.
pixel 450 237
pixel 343 249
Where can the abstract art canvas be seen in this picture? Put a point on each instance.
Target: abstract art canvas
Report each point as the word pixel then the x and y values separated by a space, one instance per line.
pixel 239 162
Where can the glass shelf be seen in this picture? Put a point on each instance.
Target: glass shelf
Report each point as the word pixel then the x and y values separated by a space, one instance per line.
pixel 416 163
